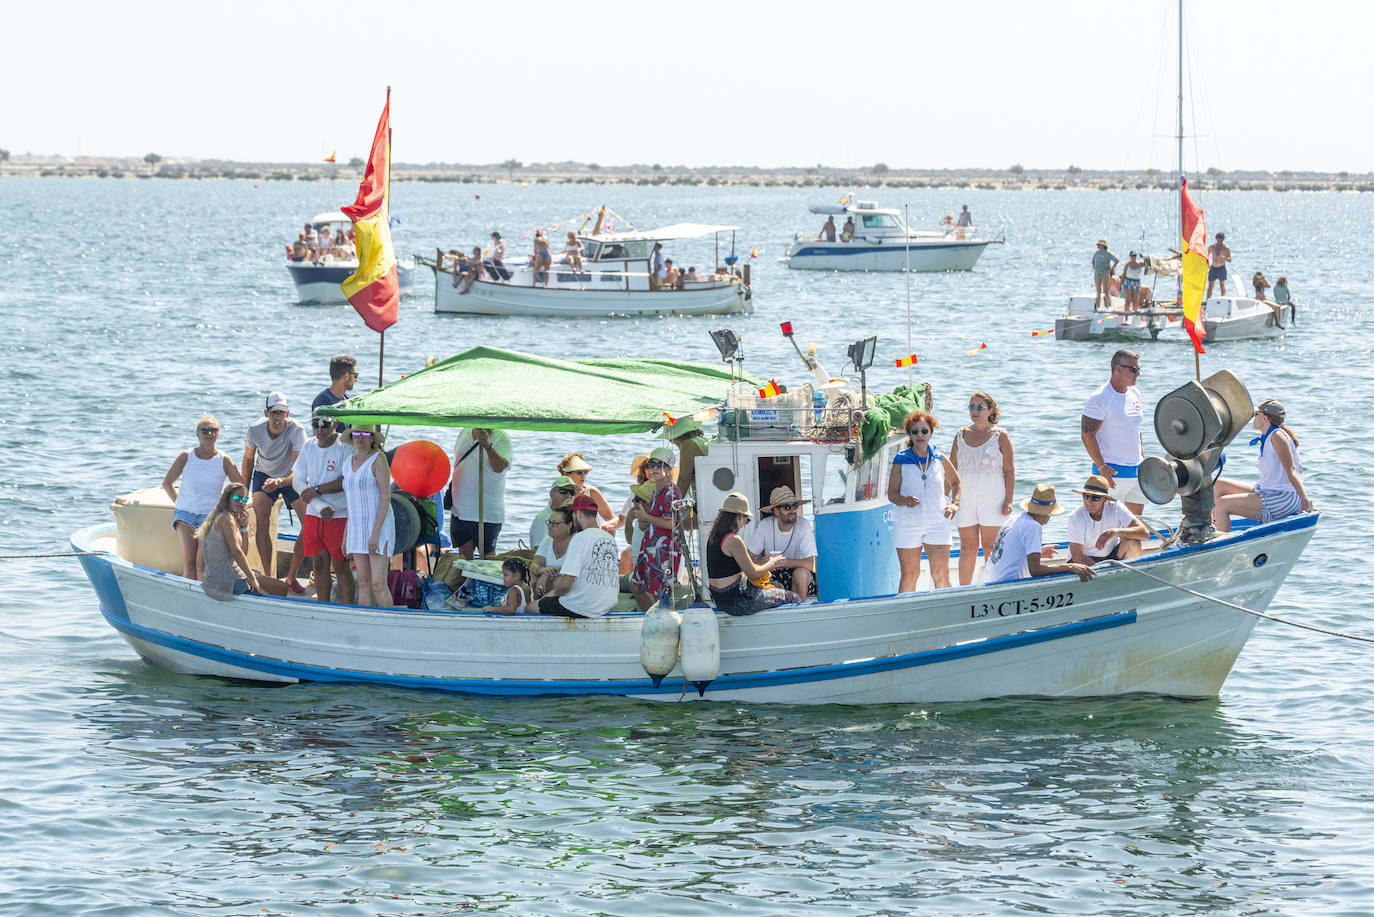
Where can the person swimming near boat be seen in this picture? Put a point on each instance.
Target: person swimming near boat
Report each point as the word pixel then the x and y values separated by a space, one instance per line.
pixel 1280 491
pixel 1104 268
pixel 1217 257
pixel 1102 528
pixel 588 584
pixel 1020 550
pixel 733 576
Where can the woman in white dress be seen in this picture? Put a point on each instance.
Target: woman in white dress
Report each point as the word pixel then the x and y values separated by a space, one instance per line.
pixel 371 529
pixel 917 487
pixel 982 454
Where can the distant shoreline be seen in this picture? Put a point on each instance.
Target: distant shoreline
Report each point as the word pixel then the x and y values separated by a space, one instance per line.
pixel 572 173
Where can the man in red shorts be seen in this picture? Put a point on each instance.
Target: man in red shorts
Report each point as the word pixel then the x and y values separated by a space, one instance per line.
pixel 318 475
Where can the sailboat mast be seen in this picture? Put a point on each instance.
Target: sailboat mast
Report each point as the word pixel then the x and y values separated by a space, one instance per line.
pixel 1180 124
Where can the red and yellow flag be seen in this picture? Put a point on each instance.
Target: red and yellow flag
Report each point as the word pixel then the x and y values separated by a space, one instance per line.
pixel 769 390
pixel 332 157
pixel 1194 266
pixel 374 288
pixel 906 361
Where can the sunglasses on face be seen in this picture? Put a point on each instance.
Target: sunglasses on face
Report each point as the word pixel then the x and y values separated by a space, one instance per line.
pixel 655 464
pixel 237 498
pixel 558 522
pixel 358 433
pixel 1088 499
pixel 1133 369
pixel 569 491
pixel 214 431
pixel 919 431
pixel 321 424
pixel 788 505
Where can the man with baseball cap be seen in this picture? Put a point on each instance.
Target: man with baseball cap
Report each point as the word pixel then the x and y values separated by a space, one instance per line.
pixel 561 491
pixel 782 530
pixel 588 583
pixel 270 449
pixel 1020 551
pixel 1102 528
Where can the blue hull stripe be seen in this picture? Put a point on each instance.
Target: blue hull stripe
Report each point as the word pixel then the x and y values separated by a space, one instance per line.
pixel 627 686
pixel 869 250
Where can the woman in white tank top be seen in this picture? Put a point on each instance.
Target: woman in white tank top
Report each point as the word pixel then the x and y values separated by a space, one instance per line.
pixel 983 456
pixel 203 471
pixel 1280 491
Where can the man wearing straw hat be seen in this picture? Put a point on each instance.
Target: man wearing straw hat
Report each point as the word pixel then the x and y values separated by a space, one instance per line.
pixel 1102 528
pixel 1020 552
pixel 784 531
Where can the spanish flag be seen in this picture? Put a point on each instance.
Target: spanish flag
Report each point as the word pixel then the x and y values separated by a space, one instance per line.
pixel 906 361
pixel 769 390
pixel 374 288
pixel 1194 266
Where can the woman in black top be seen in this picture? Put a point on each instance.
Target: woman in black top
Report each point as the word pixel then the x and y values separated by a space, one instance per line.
pixel 730 567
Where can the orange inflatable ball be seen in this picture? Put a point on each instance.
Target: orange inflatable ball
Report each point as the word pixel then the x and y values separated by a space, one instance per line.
pixel 420 468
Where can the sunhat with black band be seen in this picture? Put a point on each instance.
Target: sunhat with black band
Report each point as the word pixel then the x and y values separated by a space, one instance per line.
pixel 781 496
pixel 1042 502
pixel 1096 486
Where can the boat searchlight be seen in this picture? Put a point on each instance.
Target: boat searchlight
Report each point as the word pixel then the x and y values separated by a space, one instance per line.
pixel 727 342
pixel 1194 423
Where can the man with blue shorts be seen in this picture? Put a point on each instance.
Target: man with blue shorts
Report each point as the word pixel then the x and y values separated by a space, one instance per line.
pixel 271 447
pixel 1217 256
pixel 1110 429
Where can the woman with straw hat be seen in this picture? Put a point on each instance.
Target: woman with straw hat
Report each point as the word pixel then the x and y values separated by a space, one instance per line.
pixel 729 566
pixel 574 466
pixel 1020 550
pixel 657 563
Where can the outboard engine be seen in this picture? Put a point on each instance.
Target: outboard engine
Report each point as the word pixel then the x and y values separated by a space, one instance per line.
pixel 658 638
pixel 700 647
pixel 1194 424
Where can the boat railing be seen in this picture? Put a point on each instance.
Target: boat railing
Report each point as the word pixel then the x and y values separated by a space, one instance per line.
pixel 592 276
pixel 797 424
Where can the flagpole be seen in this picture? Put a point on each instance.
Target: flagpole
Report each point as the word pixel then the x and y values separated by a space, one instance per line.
pixel 381 337
pixel 1197 358
pixel 910 379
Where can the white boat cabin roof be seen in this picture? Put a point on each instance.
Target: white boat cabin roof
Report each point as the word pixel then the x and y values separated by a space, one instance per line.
pixel 851 209
pixel 663 233
pixel 333 216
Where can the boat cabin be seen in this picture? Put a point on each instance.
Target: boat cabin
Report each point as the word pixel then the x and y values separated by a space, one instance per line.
pixel 848 509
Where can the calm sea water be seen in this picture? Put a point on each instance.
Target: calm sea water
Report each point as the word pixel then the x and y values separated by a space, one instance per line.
pixel 130 308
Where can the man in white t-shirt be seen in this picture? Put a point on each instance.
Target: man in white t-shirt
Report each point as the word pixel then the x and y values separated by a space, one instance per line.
pixel 783 530
pixel 1111 431
pixel 588 583
pixel 1102 528
pixel 485 454
pixel 318 474
pixel 561 492
pixel 1020 551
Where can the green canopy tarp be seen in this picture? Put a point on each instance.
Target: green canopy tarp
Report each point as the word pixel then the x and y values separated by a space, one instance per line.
pixel 503 389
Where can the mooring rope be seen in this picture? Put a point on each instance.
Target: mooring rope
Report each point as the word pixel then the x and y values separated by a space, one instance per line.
pixel 1249 611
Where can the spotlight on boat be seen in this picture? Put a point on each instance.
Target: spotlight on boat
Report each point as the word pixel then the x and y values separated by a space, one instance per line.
pixel 861 352
pixel 727 342
pixel 1194 423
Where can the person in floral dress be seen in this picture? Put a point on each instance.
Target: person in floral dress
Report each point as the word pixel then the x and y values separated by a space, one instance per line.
pixel 657 564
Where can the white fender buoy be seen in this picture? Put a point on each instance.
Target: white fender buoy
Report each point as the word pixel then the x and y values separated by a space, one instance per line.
pixel 700 639
pixel 658 641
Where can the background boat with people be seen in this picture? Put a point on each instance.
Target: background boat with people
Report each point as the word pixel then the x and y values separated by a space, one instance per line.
pixel 317 267
pixel 878 239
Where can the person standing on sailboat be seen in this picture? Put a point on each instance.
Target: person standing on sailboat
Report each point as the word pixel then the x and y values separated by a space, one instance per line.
pixel 1217 256
pixel 1104 267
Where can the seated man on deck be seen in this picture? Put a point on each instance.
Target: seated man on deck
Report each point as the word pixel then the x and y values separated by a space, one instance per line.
pixel 472 272
pixel 847 233
pixel 299 250
pixel 588 583
pixel 671 275
pixel 1102 528
pixel 1020 552
pixel 783 530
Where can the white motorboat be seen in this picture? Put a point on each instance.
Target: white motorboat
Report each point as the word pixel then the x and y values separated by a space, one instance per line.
pixel 614 279
pixel 883 242
pixel 1132 629
pixel 1232 317
pixel 317 279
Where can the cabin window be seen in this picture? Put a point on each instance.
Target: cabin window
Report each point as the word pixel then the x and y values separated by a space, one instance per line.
pixel 835 483
pixel 612 250
pixel 879 221
pixel 612 277
pixel 569 277
pixel 636 250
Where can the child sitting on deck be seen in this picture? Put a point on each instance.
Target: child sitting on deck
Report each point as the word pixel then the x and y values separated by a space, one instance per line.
pixel 515 574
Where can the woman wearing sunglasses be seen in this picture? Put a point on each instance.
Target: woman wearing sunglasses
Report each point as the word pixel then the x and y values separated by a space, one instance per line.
pixel 657 562
pixel 371 529
pixel 575 466
pixel 203 471
pixel 224 539
pixel 548 557
pixel 987 474
pixel 917 486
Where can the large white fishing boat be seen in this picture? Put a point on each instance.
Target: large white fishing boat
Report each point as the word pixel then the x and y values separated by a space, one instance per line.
pixel 317 279
pixel 881 241
pixel 614 278
pixel 1146 626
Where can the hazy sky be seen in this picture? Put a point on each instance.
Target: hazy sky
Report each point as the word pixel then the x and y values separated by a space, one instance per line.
pixel 915 84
